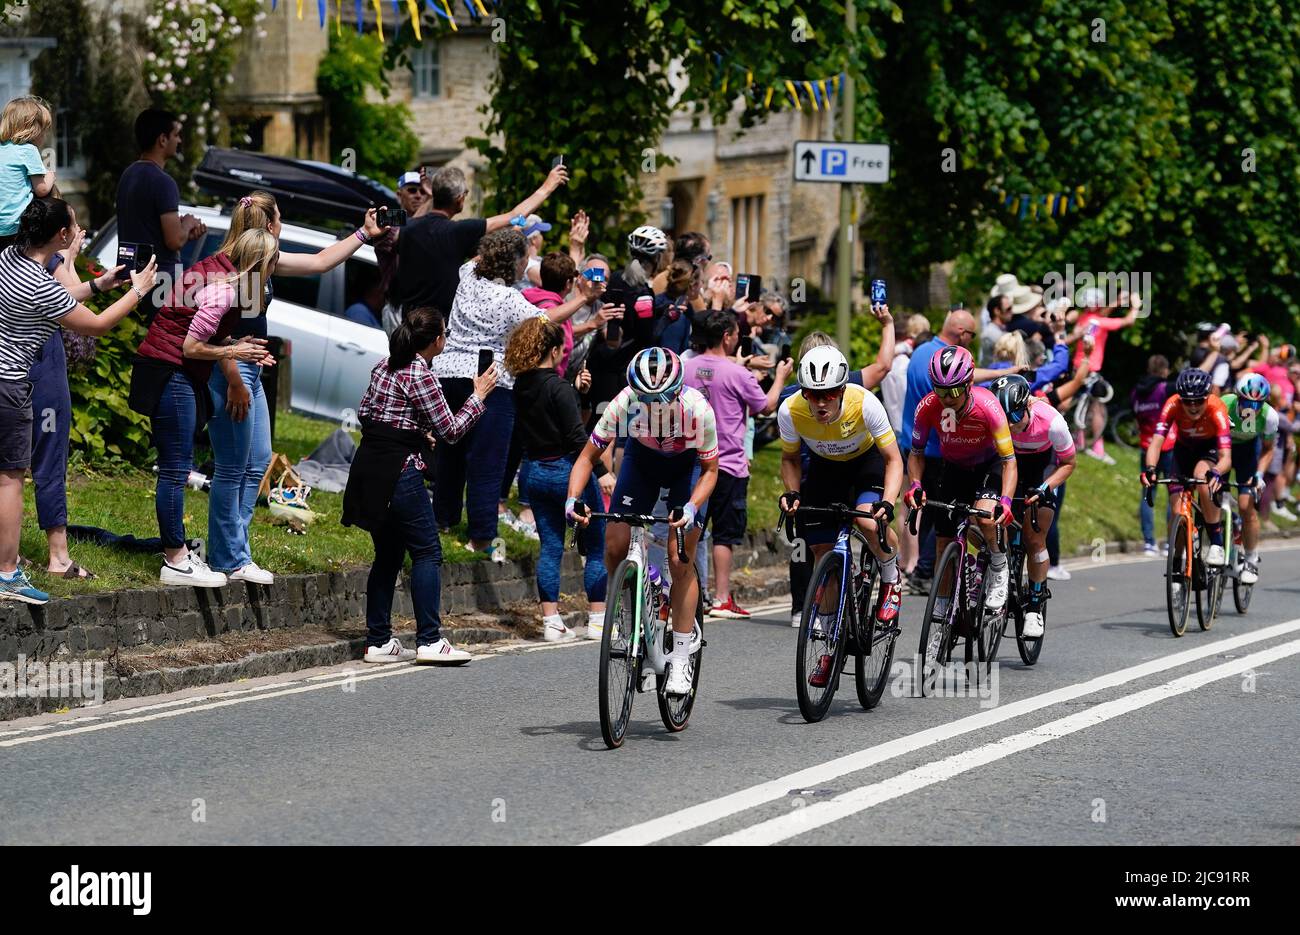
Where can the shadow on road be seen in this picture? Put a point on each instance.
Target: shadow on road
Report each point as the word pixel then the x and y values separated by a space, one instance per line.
pixel 1145 627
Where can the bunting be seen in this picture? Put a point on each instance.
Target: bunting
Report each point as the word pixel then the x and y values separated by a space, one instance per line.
pixel 409 9
pixel 1050 205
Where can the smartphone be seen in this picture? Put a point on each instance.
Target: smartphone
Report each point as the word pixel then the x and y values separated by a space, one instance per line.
pixel 614 330
pixel 748 286
pixel 557 161
pixel 879 294
pixel 390 217
pixel 485 359
pixel 134 256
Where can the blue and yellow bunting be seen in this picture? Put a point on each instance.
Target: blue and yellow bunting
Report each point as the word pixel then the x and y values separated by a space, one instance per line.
pixel 1051 205
pixel 408 9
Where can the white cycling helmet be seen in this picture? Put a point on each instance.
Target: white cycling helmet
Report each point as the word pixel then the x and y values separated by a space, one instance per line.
pixel 647 240
pixel 823 368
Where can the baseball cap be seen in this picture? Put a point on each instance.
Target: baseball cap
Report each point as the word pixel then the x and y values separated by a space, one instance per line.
pixel 408 178
pixel 535 225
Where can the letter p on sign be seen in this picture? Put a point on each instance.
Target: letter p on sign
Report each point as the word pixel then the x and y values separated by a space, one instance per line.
pixel 834 161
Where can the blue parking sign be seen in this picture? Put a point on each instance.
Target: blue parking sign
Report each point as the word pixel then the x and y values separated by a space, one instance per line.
pixel 835 161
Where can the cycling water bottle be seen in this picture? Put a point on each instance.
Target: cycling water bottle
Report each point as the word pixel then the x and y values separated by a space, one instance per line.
pixel 973 579
pixel 658 602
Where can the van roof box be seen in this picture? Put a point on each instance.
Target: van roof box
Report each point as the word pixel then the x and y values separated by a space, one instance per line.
pixel 300 187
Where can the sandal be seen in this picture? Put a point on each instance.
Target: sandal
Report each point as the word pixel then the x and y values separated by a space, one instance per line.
pixel 75 572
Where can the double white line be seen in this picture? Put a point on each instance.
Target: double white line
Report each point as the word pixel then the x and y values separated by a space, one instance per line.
pixel 814 816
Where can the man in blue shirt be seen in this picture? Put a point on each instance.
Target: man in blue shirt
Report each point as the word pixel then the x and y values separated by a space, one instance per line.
pixel 958 328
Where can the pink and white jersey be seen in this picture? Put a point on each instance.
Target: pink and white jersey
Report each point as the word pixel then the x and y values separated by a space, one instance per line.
pixel 975 437
pixel 1046 431
pixel 686 423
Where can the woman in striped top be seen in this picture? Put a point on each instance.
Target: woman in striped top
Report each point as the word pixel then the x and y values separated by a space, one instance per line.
pixel 32 306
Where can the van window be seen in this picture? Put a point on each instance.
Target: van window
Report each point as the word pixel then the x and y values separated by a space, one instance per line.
pixel 300 290
pixel 362 300
pixel 197 250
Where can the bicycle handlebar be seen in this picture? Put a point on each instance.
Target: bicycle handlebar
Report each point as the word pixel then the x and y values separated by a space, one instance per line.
pixel 843 511
pixel 640 519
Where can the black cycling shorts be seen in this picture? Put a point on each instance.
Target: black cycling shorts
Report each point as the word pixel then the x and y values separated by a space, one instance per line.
pixel 957 484
pixel 855 483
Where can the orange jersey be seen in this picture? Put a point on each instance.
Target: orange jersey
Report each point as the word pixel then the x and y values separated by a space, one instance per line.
pixel 1212 424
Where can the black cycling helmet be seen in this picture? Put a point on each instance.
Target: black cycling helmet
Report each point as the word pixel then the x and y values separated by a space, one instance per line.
pixel 1013 395
pixel 1193 384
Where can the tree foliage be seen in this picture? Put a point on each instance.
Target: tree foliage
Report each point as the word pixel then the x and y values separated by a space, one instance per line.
pixel 379 133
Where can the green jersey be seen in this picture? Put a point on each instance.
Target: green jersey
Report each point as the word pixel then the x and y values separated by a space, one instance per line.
pixel 1252 423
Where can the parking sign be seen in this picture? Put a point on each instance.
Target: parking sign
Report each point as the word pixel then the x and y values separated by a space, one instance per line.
pixel 829 161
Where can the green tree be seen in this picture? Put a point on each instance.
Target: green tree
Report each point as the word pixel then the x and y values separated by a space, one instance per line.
pixel 379 133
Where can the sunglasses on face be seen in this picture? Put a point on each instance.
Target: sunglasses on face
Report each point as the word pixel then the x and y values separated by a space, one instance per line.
pixel 823 395
pixel 950 392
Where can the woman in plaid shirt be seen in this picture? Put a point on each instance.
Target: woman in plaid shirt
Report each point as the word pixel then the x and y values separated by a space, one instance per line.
pixel 386 494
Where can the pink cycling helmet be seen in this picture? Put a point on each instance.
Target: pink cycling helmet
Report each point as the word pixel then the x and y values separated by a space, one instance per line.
pixel 951 366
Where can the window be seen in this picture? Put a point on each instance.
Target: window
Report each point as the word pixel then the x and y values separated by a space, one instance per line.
pixel 67 144
pixel 426 71
pixel 361 287
pixel 747 233
pixel 300 290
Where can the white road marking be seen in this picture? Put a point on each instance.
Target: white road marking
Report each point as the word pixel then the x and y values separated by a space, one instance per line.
pixel 211 705
pixel 697 816
pixel 801 820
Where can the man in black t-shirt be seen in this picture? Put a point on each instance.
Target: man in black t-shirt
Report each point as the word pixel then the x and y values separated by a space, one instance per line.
pixel 148 201
pixel 432 248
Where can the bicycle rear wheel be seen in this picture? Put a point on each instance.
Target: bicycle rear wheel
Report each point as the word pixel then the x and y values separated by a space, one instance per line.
pixel 676 711
pixel 1209 599
pixel 1177 581
pixel 875 650
pixel 820 654
pixel 938 633
pixel 1124 430
pixel 1241 595
pixel 618 664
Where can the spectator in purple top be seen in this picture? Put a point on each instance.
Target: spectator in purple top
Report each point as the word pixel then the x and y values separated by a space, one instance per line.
pixel 733 392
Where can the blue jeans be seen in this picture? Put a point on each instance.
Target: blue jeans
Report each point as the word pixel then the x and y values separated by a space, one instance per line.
pixel 241 451
pixel 471 471
pixel 408 527
pixel 1054 533
pixel 173 427
pixel 52 418
pixel 547 486
pixel 1147 514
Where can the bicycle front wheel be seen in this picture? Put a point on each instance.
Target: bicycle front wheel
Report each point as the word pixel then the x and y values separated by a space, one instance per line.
pixel 821 638
pixel 938 634
pixel 676 711
pixel 875 650
pixel 1241 595
pixel 619 664
pixel 1177 581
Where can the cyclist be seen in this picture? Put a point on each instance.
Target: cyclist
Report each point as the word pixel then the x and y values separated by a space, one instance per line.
pixel 978 460
pixel 678 449
pixel 1254 434
pixel 1044 459
pixel 852 451
pixel 1203 449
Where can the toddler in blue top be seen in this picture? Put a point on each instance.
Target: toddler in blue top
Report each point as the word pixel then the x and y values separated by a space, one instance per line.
pixel 23 175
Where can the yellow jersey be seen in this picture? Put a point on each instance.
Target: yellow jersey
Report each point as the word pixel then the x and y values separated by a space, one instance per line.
pixel 862 424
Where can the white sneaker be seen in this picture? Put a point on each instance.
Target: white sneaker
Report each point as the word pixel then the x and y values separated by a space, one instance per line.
pixel 595 625
pixel 1249 573
pixel 1214 556
pixel 679 679
pixel 1057 573
pixel 553 632
pixel 1283 512
pixel 1150 549
pixel 251 572
pixel 795 620
pixel 996 595
pixel 191 573
pixel 1033 625
pixel 392 651
pixel 441 653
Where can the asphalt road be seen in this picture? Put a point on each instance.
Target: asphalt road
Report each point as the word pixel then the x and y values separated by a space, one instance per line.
pixel 1121 734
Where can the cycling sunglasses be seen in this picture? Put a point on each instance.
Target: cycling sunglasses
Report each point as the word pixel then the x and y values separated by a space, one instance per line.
pixel 650 399
pixel 819 395
pixel 951 392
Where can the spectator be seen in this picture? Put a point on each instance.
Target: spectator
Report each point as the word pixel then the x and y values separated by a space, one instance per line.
pixel 908 335
pixel 240 436
pixel 558 273
pixel 1010 351
pixel 23 176
pixel 533 229
pixel 734 393
pixel 367 304
pixel 415 200
pixel 774 309
pixel 1027 314
pixel 999 314
pixel 1094 325
pixel 172 390
pixel 432 249
pixel 1209 355
pixel 486 309
pixel 1147 399
pixel 148 201
pixel 674 317
pixel 259 210
pixel 553 435
pixel 589 322
pixel 386 494
pixel 33 305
